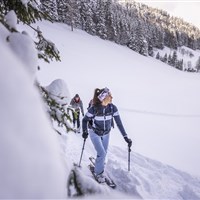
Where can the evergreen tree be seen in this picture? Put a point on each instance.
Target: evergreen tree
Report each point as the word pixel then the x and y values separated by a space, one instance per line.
pixel 70 12
pixel 47 49
pixel 124 32
pixel 131 43
pixel 192 43
pixel 29 13
pixel 86 17
pixel 171 39
pixel 179 64
pixel 144 48
pixel 100 19
pixel 165 58
pixel 169 60
pixel 157 37
pixel 198 64
pixel 61 10
pixel 158 56
pixel 110 23
pixel 139 43
pixel 174 59
pixel 150 50
pixel 57 111
pixel 50 6
pixel 189 66
pixel 26 12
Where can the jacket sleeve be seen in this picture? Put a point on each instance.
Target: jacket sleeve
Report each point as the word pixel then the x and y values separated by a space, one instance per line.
pixel 88 116
pixel 118 121
pixel 71 102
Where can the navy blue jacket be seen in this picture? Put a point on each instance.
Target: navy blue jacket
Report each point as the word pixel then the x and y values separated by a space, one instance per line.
pixel 102 117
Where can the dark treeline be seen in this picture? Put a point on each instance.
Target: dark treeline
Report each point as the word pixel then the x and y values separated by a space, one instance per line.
pixel 135 25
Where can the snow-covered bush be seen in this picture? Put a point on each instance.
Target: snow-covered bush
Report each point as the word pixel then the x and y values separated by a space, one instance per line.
pixel 57 99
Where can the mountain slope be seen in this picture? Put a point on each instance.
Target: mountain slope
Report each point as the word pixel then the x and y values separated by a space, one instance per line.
pixel 158 106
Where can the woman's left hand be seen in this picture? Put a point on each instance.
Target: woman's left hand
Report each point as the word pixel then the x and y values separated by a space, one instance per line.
pixel 128 140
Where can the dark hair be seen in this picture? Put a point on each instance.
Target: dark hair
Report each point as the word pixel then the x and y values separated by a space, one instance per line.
pixel 96 101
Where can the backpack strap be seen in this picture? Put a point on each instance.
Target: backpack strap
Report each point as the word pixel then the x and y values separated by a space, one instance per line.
pixel 112 113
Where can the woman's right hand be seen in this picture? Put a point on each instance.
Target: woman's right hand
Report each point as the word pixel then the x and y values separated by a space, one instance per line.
pixel 85 134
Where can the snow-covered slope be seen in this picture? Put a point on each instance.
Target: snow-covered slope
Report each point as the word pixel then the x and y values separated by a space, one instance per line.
pixel 159 107
pixel 147 179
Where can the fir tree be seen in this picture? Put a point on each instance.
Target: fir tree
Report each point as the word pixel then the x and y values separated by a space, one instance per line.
pixel 100 18
pixel 158 56
pixel 139 43
pixel 57 111
pixel 86 17
pixel 165 58
pixel 169 60
pixel 29 13
pixel 47 49
pixel 174 59
pixel 198 64
pixel 189 66
pixel 50 6
pixel 61 10
pixel 179 64
pixel 150 50
pixel 110 23
pixel 68 11
pixel 26 12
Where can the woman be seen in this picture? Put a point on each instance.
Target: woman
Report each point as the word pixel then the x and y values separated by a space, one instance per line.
pixel 102 113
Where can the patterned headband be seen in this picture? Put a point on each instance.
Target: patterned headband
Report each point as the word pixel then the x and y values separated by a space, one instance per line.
pixel 104 94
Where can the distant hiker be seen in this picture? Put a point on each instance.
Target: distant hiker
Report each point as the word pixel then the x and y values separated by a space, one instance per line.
pixel 77 104
pixel 101 112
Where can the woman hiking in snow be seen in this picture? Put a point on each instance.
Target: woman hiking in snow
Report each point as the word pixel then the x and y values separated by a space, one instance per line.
pixel 102 113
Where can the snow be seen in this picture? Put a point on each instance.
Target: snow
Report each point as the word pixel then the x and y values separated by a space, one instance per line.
pixel 159 107
pixel 20 43
pixel 59 91
pixel 11 19
pixel 32 165
pixel 184 53
pixel 25 2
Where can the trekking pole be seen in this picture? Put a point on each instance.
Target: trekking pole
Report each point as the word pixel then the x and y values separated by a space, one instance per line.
pixel 82 152
pixel 129 160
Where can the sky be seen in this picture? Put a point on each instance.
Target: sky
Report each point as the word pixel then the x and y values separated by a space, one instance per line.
pixel 187 10
pixel 159 107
